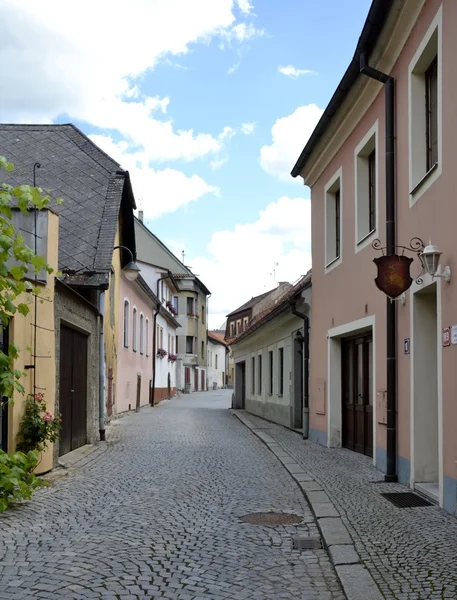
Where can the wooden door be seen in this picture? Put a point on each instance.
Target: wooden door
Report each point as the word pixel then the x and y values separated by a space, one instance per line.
pixel 73 389
pixel 195 379
pixel 203 380
pixel 357 392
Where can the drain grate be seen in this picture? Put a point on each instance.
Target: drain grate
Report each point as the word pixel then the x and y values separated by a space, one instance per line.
pixel 271 518
pixel 307 543
pixel 406 499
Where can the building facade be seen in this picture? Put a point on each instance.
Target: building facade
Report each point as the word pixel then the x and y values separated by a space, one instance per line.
pixel 364 188
pixel 217 361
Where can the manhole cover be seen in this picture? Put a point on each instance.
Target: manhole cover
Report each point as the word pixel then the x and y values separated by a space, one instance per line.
pixel 271 518
pixel 306 543
pixel 406 499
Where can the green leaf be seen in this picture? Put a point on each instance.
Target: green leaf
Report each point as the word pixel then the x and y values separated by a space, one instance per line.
pixel 23 309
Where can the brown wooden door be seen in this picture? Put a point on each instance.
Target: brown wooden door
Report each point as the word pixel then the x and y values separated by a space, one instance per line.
pixel 73 389
pixel 203 380
pixel 357 394
pixel 4 401
pixel 196 380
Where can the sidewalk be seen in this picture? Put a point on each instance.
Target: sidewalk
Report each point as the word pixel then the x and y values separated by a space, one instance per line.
pixel 410 553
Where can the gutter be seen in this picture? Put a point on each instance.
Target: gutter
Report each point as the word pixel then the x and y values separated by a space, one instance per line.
pixel 389 86
pixel 305 318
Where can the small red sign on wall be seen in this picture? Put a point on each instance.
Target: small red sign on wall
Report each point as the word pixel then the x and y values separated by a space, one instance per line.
pixel 446 336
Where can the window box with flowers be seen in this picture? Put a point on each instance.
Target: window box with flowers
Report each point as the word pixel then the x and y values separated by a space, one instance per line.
pixel 171 308
pixel 172 357
pixel 161 353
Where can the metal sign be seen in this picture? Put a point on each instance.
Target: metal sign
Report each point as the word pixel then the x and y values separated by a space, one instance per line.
pixel 446 336
pixel 406 345
pixel 393 274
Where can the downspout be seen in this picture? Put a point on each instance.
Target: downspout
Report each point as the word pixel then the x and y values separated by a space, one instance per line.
pixel 101 370
pixel 305 318
pixel 389 87
pixel 154 339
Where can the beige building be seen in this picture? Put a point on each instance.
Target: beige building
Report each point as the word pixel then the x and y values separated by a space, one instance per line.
pixel 379 165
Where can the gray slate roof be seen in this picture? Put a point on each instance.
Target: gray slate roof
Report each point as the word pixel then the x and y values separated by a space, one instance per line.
pixel 90 183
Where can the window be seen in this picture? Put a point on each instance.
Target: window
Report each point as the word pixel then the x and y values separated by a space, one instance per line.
pixel 232 329
pixel 366 187
pixel 203 349
pixel 161 337
pixel 126 323
pixel 333 220
pixel 203 314
pixel 190 306
pixel 253 374
pixel 189 344
pixel 176 344
pixel 245 323
pixel 134 342
pixel 216 360
pixel 259 363
pixel 281 371
pixel 270 373
pixel 425 111
pixel 141 334
pixel 147 337
pixel 175 303
pixel 431 108
pixel 238 326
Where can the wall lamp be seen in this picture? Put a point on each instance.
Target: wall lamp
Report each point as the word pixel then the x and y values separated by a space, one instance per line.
pixel 430 259
pixel 131 269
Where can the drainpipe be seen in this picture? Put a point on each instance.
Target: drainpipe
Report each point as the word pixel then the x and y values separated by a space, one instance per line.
pixel 154 339
pixel 305 318
pixel 389 87
pixel 101 357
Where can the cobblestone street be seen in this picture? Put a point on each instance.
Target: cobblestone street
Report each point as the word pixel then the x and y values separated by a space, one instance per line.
pixel 410 553
pixel 155 513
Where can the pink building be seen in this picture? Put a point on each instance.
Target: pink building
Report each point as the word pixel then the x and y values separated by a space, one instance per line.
pixel 412 45
pixel 135 360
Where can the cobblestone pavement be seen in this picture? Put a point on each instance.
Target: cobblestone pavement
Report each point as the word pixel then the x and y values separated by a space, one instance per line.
pixel 156 515
pixel 410 553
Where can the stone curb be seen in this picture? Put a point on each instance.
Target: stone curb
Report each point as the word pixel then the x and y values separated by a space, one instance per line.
pixel 79 455
pixel 355 579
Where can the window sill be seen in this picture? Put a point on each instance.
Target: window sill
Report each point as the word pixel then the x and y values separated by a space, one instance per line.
pixel 427 175
pixel 365 237
pixel 333 261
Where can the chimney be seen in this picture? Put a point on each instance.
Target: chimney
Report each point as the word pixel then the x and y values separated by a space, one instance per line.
pixel 140 215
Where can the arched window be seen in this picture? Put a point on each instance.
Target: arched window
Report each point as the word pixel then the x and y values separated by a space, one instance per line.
pixel 147 337
pixel 134 326
pixel 126 323
pixel 141 334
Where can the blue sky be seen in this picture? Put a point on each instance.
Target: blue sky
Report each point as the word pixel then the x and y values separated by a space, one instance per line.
pixel 168 91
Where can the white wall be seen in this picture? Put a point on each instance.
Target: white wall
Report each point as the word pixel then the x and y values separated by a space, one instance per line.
pixel 214 374
pixel 163 365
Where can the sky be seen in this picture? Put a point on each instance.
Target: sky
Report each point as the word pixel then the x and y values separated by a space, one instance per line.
pixel 207 103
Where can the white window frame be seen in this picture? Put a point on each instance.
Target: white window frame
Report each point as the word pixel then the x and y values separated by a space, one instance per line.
pixel 337 178
pixel 147 337
pixel 126 323
pixel 134 329
pixel 141 333
pixel 367 144
pixel 430 46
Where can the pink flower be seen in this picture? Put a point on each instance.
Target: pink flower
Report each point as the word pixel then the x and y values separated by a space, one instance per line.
pixel 47 416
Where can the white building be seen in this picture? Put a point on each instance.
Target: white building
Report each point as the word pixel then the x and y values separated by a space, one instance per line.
pixel 271 370
pixel 217 361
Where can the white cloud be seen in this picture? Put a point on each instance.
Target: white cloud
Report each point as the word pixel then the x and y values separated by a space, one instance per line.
pixel 290 135
pixel 241 260
pixel 291 71
pixel 227 133
pixel 245 6
pixel 247 128
pixel 157 191
pixel 90 67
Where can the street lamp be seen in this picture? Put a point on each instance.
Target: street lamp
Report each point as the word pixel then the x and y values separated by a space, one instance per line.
pixel 430 259
pixel 131 269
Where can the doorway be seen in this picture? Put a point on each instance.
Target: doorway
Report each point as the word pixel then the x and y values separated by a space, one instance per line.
pixel 203 380
pixel 240 385
pixel 73 389
pixel 4 401
pixel 357 394
pixel 195 379
pixel 425 391
pixel 169 386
